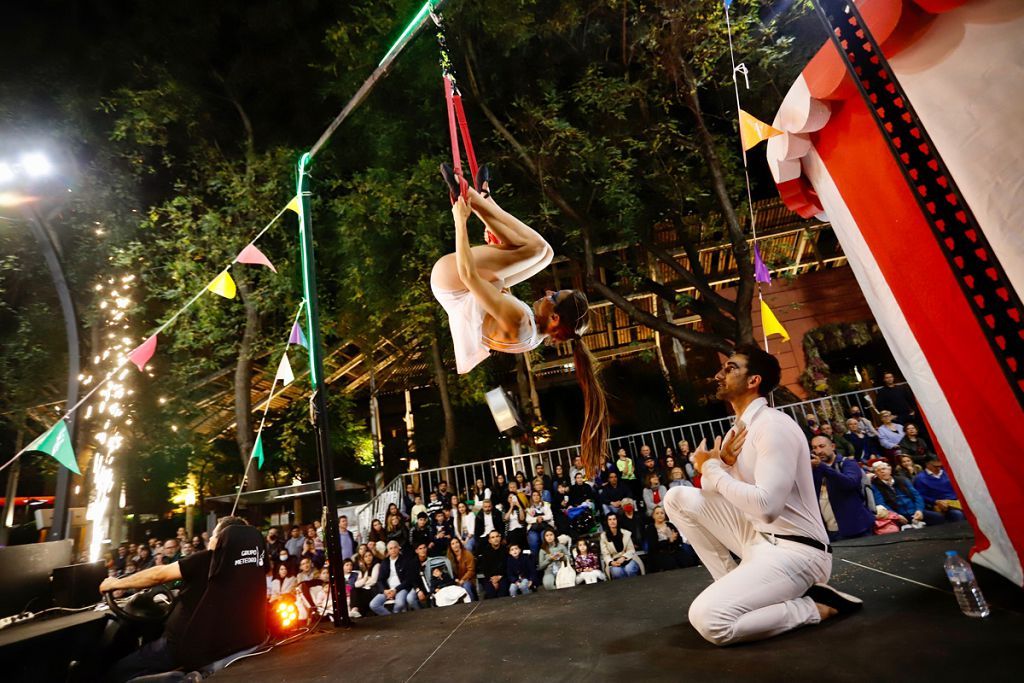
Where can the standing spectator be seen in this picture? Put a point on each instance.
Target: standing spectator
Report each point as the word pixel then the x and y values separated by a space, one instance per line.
pixel 838 482
pixel 464 566
pixel 617 550
pixel 520 571
pixel 937 491
pixel 666 548
pixel 654 493
pixel 464 525
pixel 907 468
pixel 553 556
pixel 499 492
pixel 395 578
pixel 487 521
pixel 440 535
pixel 274 542
pixel 898 495
pixel 347 538
pixel 865 446
pixel 294 542
pixel 896 399
pixel 626 468
pixel 577 468
pixel 443 494
pixel 915 445
pixel 540 473
pixel 538 518
pixel 586 564
pixel 408 500
pixel 417 508
pixel 889 435
pixel 492 562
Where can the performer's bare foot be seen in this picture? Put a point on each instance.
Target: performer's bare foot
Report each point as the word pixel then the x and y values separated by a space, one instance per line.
pixel 824 611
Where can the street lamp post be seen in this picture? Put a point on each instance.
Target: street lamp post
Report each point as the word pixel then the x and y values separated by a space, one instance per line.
pixel 35 166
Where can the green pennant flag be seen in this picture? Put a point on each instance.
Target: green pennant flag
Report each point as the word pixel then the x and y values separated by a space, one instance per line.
pixel 257 451
pixel 56 442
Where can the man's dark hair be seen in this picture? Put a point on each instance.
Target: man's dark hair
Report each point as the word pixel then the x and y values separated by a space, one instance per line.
pixel 931 457
pixel 763 364
pixel 224 522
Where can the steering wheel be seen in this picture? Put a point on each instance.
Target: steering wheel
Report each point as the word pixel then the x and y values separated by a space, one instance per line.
pixel 147 606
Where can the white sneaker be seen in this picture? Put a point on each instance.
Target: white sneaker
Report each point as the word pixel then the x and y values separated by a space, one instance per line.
pixel 354 613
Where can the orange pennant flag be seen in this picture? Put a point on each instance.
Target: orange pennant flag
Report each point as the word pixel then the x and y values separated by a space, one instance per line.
pixel 753 131
pixel 771 324
pixel 223 285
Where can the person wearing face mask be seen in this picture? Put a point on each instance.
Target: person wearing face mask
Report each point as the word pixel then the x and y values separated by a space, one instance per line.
pixel 274 542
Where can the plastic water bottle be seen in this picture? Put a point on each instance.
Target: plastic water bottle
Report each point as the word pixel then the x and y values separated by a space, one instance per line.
pixel 965 586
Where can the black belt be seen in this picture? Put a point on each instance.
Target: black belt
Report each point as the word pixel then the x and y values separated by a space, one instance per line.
pixel 814 543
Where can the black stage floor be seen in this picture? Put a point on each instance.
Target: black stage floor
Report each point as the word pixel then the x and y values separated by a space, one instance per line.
pixel 636 630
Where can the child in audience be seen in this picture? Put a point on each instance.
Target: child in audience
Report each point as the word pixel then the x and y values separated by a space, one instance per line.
pixel 520 571
pixel 439 579
pixel 586 564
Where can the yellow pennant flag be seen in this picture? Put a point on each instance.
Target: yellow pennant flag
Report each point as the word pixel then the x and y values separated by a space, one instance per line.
pixel 223 285
pixel 753 131
pixel 295 204
pixel 771 324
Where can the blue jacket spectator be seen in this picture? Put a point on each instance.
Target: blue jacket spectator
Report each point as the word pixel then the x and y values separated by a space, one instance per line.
pixel 843 482
pixel 613 493
pixel 899 495
pixel 937 491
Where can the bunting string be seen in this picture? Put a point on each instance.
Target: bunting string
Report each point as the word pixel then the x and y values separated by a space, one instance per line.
pixel 150 344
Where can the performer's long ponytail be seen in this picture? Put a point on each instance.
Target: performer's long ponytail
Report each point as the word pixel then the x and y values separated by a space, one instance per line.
pixel 573 311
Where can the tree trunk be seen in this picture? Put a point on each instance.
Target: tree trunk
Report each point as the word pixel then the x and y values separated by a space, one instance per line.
pixel 441 377
pixel 243 385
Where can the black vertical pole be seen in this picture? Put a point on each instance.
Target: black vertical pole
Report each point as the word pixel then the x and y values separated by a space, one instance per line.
pixel 318 403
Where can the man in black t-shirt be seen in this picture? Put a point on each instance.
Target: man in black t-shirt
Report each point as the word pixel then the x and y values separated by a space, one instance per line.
pixel 221 607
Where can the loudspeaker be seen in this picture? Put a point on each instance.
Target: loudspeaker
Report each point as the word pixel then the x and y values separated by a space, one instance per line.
pixel 504 412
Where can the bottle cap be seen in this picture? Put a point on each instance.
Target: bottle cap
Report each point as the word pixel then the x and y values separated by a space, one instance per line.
pixel 950 553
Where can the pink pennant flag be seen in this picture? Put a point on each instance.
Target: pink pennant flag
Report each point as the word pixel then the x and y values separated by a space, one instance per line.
pixel 253 256
pixel 143 352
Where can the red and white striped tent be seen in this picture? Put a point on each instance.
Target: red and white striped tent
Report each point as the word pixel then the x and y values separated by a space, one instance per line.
pixel 961 65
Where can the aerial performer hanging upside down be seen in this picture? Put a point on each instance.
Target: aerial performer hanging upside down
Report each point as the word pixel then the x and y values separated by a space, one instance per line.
pixel 472 285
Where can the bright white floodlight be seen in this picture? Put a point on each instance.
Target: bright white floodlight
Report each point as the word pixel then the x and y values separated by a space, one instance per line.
pixel 6 173
pixel 36 165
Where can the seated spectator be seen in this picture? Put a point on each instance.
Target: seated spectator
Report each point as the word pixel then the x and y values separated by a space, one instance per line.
pixel 283 582
pixel 519 492
pixel 294 542
pixel 439 579
pixel 396 529
pixel 838 482
pixel 418 596
pixel 540 473
pixel 319 594
pixel 865 446
pixel 668 464
pixel 916 445
pixel 515 519
pixel 309 553
pixel 617 550
pixel 560 506
pixel 393 509
pixel 844 448
pixel 420 533
pixel 417 507
pixel 350 574
pixel 492 562
pixel 684 456
pixel 632 520
pixel 810 426
pixel 666 548
pixel 538 487
pixel 648 466
pixel 489 519
pixel 586 564
pixel 396 577
pixel 318 546
pixel 441 534
pixel 906 468
pixel 434 504
pixel 560 477
pixel 853 413
pixel 478 495
pixel 577 468
pixel 538 518
pixel 464 525
pixel 581 492
pixel 937 491
pixel 553 556
pixel 520 571
pixel 654 493
pixel 307 571
pixel 499 492
pixel 377 537
pixel 365 586
pixel 612 494
pixel 898 495
pixel 677 478
pixel 889 434
pixel 145 560
pixel 464 565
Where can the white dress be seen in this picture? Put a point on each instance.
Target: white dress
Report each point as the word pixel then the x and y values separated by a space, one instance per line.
pixel 466 320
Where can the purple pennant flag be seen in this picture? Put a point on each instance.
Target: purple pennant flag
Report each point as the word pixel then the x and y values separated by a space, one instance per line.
pixel 297 337
pixel 761 273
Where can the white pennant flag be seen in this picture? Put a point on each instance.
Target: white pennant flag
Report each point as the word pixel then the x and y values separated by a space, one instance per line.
pixel 284 371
